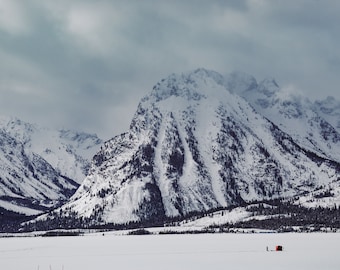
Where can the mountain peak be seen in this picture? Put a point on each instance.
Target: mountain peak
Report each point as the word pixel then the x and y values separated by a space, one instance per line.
pixel 268 87
pixel 192 85
pixel 328 105
pixel 206 73
pixel 239 82
pixel 330 110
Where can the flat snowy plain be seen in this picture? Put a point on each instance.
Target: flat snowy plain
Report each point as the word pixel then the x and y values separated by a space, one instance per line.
pixel 205 251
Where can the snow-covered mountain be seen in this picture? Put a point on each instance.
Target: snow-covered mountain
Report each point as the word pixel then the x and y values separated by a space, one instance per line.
pixel 314 126
pixel 40 167
pixel 194 146
pixel 330 110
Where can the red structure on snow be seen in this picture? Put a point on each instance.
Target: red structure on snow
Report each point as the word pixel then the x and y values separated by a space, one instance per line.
pixel 278 248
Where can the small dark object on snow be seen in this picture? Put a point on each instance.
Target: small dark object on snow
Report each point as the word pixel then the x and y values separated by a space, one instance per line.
pixel 279 248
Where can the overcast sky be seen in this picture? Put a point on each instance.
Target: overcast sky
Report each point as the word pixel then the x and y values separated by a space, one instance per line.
pixel 86 64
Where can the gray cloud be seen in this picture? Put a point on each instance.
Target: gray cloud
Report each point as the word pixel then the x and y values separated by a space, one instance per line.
pixel 86 64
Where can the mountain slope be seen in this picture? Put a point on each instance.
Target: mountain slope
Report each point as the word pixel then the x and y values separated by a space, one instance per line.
pixel 194 146
pixel 329 108
pixel 40 168
pixel 313 126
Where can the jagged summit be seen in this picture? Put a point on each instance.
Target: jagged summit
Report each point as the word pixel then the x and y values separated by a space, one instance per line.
pixel 313 126
pixel 191 85
pixel 268 87
pixel 239 82
pixel 330 110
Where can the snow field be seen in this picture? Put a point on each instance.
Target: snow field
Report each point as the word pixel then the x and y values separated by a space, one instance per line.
pixel 204 251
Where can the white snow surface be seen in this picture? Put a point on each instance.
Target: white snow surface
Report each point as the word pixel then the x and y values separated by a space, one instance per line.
pixel 323 198
pixel 218 218
pixel 313 251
